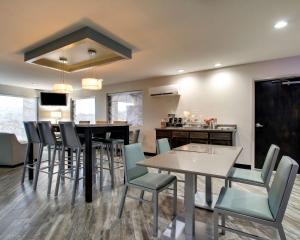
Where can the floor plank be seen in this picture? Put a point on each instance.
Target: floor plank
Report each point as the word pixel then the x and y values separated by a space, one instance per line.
pixel 25 214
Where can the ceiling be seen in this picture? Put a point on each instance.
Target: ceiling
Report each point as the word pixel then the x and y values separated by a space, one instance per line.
pixel 165 35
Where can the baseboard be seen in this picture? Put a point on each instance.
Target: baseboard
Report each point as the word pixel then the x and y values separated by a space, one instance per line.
pixel 149 154
pixel 244 166
pixel 11 166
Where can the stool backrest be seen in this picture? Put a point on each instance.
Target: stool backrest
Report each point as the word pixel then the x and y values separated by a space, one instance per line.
pixel 282 185
pixel 32 132
pixel 46 133
pixel 136 135
pixel 162 145
pixel 269 163
pixel 69 135
pixel 133 153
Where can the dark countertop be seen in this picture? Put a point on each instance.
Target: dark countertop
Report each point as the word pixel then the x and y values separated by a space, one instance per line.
pixel 221 129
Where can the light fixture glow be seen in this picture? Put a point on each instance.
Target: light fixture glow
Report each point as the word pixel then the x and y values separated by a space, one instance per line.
pixel 180 71
pixel 218 65
pixel 62 88
pixel 280 24
pixel 91 83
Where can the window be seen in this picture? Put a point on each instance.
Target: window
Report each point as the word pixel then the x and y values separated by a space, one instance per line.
pixel 84 110
pixel 15 110
pixel 127 106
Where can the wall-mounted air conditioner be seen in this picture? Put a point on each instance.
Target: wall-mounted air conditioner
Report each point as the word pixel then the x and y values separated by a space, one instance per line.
pixel 168 90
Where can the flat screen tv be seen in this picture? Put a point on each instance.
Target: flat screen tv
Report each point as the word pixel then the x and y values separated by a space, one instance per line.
pixel 53 99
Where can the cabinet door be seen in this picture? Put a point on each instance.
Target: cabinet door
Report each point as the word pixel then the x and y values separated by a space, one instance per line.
pixel 177 142
pixel 198 140
pixel 163 134
pixel 221 142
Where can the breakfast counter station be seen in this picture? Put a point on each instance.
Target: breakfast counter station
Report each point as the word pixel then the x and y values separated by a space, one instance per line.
pixel 178 136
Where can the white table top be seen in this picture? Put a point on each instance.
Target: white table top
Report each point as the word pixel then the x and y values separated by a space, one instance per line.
pixel 208 160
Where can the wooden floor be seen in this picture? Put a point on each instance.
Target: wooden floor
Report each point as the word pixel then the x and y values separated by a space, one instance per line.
pixel 25 214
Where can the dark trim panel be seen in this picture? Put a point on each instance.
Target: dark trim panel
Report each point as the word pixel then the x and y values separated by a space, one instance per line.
pixel 11 166
pixel 244 166
pixel 149 154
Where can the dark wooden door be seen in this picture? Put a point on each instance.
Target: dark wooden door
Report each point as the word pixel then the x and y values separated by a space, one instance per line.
pixel 277 118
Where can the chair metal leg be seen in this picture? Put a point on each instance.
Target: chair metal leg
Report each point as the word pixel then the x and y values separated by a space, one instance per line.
pixel 94 160
pixel 230 183
pixel 175 199
pixel 122 201
pixel 281 232
pixel 60 169
pixel 196 183
pixel 155 213
pixel 223 217
pixel 37 169
pixel 226 183
pixel 142 196
pixel 76 176
pixel 112 166
pixel 101 167
pixel 216 222
pixel 51 171
pixel 49 157
pixel 25 163
pixel 72 168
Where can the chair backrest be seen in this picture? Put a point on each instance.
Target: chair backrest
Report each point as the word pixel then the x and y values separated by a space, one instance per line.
pixel 84 122
pixel 282 185
pixel 162 145
pixel 133 153
pixel 46 133
pixel 32 132
pixel 269 163
pixel 69 135
pixel 136 135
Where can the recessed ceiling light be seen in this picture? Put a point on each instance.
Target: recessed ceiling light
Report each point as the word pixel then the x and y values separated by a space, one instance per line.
pixel 280 24
pixel 180 71
pixel 218 65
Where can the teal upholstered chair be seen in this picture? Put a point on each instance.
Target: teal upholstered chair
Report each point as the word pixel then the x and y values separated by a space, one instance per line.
pixel 139 177
pixel 258 178
pixel 268 210
pixel 162 146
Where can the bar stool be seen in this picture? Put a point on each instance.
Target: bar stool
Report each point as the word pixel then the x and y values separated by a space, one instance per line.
pixel 111 146
pixel 32 138
pixel 70 140
pixel 48 139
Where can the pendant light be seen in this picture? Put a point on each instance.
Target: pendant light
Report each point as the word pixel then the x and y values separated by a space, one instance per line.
pixel 62 87
pixel 91 83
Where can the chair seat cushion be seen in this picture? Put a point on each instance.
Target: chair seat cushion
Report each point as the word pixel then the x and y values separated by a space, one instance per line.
pixel 153 181
pixel 246 175
pixel 246 203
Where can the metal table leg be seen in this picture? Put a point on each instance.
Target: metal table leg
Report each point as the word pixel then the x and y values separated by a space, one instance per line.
pixel 206 200
pixel 189 205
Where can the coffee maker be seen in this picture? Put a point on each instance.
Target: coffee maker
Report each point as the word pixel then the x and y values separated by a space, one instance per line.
pixel 174 121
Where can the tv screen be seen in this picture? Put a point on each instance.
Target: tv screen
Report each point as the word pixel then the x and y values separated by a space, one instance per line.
pixel 53 99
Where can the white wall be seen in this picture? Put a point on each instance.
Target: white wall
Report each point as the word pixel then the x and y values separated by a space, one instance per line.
pixel 17 91
pixel 227 94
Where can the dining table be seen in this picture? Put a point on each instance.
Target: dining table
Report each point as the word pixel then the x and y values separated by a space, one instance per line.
pixel 86 133
pixel 193 160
